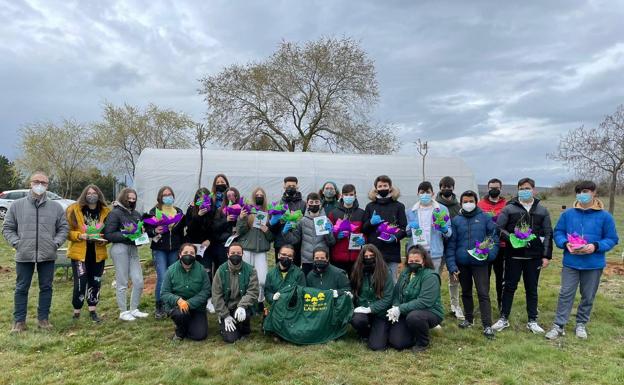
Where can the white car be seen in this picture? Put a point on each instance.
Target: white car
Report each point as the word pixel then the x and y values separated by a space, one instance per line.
pixel 7 197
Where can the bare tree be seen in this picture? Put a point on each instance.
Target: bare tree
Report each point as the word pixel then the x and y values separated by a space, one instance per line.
pixel 201 136
pixel 315 97
pixel 423 150
pixel 596 152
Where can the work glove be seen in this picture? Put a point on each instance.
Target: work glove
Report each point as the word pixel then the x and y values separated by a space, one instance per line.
pixel 362 310
pixel 287 227
pixel 343 234
pixel 335 292
pixel 276 296
pixel 274 219
pixel 229 324
pixel 183 305
pixel 375 219
pixel 393 314
pixel 240 314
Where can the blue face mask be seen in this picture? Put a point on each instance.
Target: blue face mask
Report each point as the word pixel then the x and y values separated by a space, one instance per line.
pixel 168 200
pixel 425 198
pixel 525 195
pixel 348 200
pixel 584 198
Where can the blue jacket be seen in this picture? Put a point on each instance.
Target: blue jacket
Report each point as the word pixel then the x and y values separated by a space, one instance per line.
pixel 596 226
pixel 467 230
pixel 436 248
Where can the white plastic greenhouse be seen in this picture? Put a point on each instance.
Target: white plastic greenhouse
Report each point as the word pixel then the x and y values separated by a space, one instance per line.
pixel 249 169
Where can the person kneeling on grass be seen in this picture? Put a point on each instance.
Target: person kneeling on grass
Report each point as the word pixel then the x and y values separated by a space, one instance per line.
pixel 373 287
pixel 284 275
pixel 235 292
pixel 583 261
pixel 185 292
pixel 324 276
pixel 417 306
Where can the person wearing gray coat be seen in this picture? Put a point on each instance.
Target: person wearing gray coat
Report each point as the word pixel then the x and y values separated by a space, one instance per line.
pixel 36 227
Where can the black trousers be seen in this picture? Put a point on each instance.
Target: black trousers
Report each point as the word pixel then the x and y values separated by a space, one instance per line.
pixel 373 327
pixel 242 328
pixel 87 281
pixel 529 269
pixel 192 325
pixel 306 268
pixel 215 255
pixel 498 265
pixel 412 329
pixel 481 278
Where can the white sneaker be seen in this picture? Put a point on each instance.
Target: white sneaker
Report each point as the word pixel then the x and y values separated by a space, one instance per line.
pixel 581 331
pixel 459 314
pixel 501 324
pixel 126 316
pixel 438 327
pixel 136 313
pixel 534 327
pixel 210 307
pixel 555 332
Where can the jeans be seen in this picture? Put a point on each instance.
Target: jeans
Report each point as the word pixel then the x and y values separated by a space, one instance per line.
pixel 570 280
pixel 529 269
pixel 481 279
pixel 439 264
pixel 394 268
pixel 162 260
pixel 45 273
pixel 374 327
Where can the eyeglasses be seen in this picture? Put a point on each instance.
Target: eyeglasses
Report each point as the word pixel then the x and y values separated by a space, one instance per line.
pixel 39 182
pixel 286 255
pixel 236 255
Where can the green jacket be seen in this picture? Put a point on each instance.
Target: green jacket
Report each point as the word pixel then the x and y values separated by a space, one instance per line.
pixel 275 282
pixel 333 278
pixel 421 292
pixel 251 238
pixel 227 294
pixel 192 286
pixel 452 204
pixel 367 297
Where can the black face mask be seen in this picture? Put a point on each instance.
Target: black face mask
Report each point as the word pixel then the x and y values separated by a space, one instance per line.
pixel 369 264
pixel 131 205
pixel 187 259
pixel 290 191
pixel 414 267
pixel 285 263
pixel 383 193
pixel 321 266
pixel 494 193
pixel 236 259
pixel 221 188
pixel 446 193
pixel 314 209
pixel 259 201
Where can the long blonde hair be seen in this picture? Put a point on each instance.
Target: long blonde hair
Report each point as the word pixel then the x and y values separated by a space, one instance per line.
pixel 251 217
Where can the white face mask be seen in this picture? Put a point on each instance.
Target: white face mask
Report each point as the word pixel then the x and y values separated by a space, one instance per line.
pixel 39 189
pixel 468 207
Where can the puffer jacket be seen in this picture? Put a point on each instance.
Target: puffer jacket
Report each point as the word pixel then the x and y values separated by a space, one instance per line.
pixel 392 211
pixel 340 252
pixel 306 234
pixel 469 228
pixel 77 249
pixel 35 228
pixel 115 221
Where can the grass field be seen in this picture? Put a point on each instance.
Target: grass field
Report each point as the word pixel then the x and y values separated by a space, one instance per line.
pixel 141 352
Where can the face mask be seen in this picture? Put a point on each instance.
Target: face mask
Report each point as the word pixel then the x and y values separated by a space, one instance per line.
pixel 168 200
pixel 468 207
pixel 39 189
pixel 221 188
pixel 414 267
pixel 348 201
pixel 286 263
pixel 425 198
pixel 369 264
pixel 131 205
pixel 290 191
pixel 446 193
pixel 329 193
pixel 188 259
pixel 259 201
pixel 320 266
pixel 236 259
pixel 584 198
pixel 525 195
pixel 383 193
pixel 314 209
pixel 92 199
pixel 494 193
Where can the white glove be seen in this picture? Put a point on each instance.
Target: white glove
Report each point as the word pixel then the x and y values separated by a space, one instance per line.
pixel 229 324
pixel 349 294
pixel 276 296
pixel 393 314
pixel 335 293
pixel 210 306
pixel 240 314
pixel 362 310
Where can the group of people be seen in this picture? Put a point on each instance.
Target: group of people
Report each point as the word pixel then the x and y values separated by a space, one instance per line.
pixel 211 258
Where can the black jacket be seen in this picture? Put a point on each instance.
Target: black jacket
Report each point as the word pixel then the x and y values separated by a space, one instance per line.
pixel 537 218
pixel 169 241
pixel 198 227
pixel 119 216
pixel 392 211
pixel 294 203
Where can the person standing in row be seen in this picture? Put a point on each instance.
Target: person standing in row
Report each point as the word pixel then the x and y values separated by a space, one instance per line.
pixel 347 210
pixel 292 198
pixel 198 222
pixel 329 196
pixel 216 251
pixel 88 255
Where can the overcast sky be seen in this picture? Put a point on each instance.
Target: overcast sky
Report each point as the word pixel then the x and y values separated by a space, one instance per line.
pixel 493 82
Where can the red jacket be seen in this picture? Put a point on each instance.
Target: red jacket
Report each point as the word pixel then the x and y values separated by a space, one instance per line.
pixel 492 209
pixel 340 252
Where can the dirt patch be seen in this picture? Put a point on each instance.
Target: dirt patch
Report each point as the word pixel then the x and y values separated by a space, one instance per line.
pixel 614 268
pixel 149 284
pixel 5 270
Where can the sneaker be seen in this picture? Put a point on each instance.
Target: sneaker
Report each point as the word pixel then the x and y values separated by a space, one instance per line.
pixel 126 316
pixel 136 313
pixel 465 324
pixel 45 324
pixel 457 312
pixel 76 316
pixel 438 327
pixel 94 317
pixel 555 332
pixel 501 324
pixel 159 312
pixel 18 327
pixel 419 349
pixel 581 331
pixel 488 332
pixel 534 327
pixel 176 338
